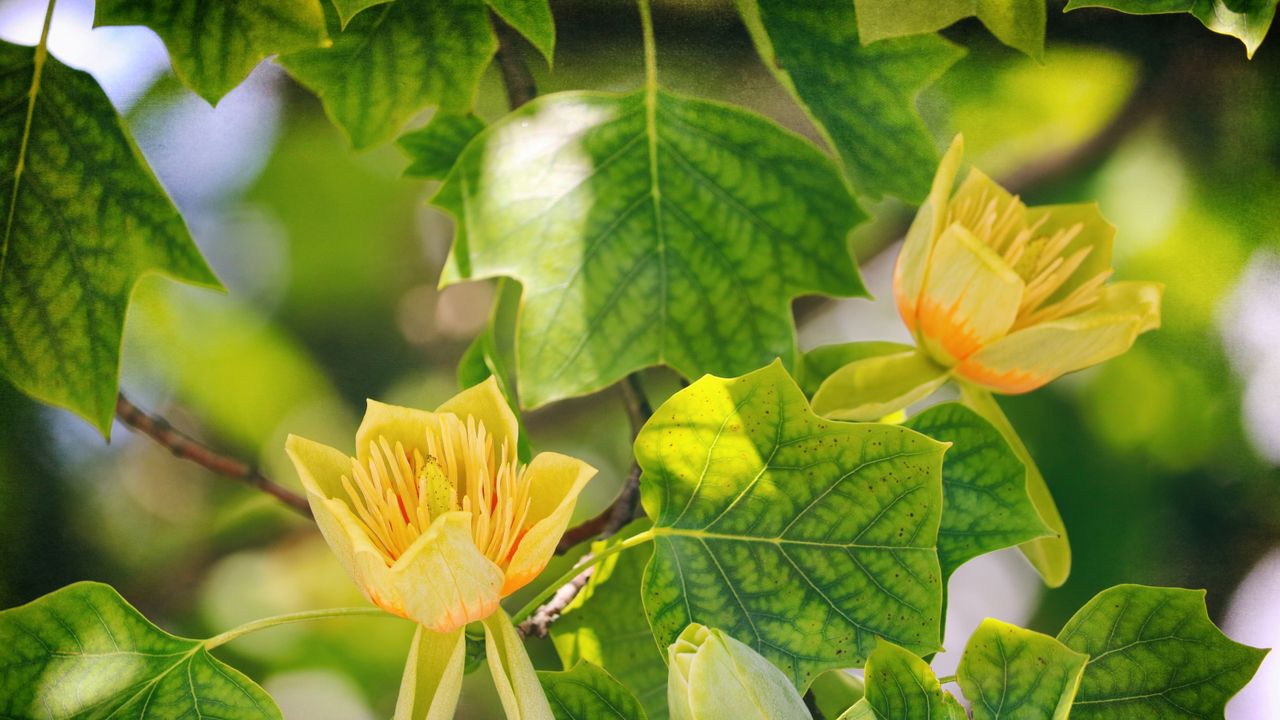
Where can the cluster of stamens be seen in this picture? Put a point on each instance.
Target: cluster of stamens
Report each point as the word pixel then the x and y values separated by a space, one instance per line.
pixel 1038 259
pixel 399 491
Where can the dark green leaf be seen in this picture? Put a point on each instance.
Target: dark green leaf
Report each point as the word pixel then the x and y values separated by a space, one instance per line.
pixel 83 652
pixel 647 229
pixel 84 219
pixel 394 60
pixel 807 539
pixel 1013 674
pixel 862 99
pixel 985 503
pixel 435 148
pixel 532 18
pixel 1154 653
pixel 1017 23
pixel 1248 20
pixel 348 9
pixel 216 43
pixel 586 692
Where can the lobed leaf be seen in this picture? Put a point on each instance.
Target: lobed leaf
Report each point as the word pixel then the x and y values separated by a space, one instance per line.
pixel 647 229
pixel 586 692
pixel 1246 20
pixel 1009 673
pixel 434 149
pixel 805 538
pixel 1017 23
pixel 348 9
pixel 84 218
pixel 899 685
pixel 532 18
pixel 84 652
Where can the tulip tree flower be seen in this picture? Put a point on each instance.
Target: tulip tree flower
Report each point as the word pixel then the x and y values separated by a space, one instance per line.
pixel 710 676
pixel 436 521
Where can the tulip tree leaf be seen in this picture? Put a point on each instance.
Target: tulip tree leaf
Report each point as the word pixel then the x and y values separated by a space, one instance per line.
pixel 586 692
pixel 83 651
pixel 647 229
pixel 435 148
pixel 532 18
pixel 84 218
pixel 819 363
pixel 1247 20
pixel 396 59
pixel 1008 672
pixel 1019 24
pixel 861 99
pixel 900 685
pixel 807 539
pixel 1154 653
pixel 605 625
pixel 985 503
pixel 214 44
pixel 348 9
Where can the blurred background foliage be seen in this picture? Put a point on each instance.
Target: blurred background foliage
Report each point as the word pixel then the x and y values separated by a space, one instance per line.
pixel 1165 462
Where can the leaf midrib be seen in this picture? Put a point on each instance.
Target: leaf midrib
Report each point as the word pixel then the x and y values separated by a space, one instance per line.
pixel 707 535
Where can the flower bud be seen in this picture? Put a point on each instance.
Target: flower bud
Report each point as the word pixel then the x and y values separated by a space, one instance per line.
pixel 712 676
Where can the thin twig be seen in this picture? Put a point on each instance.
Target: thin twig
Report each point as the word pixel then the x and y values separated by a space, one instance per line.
pixel 187 448
pixel 540 621
pixel 515 73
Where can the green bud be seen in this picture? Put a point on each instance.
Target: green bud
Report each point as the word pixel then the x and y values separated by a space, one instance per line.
pixel 713 676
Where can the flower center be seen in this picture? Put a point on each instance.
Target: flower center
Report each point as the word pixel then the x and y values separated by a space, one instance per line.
pixel 400 491
pixel 1040 260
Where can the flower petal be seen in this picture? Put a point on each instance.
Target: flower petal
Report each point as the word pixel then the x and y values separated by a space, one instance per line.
pixel 320 467
pixel 443 581
pixel 433 674
pixel 555 481
pixel 365 564
pixel 1096 233
pixel 407 426
pixel 1029 358
pixel 873 387
pixel 486 403
pixel 517 683
pixel 970 297
pixel 913 260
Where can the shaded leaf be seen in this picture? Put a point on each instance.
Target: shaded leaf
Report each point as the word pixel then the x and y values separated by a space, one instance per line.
pixel 835 692
pixel 861 99
pixel 985 504
pixel 1154 653
pixel 396 59
pixel 1247 20
pixel 83 652
pixel 348 9
pixel 586 692
pixel 647 229
pixel 214 44
pixel 434 149
pixel 532 18
pixel 899 685
pixel 490 355
pixel 816 365
pixel 85 218
pixel 1010 673
pixel 805 538
pixel 1017 23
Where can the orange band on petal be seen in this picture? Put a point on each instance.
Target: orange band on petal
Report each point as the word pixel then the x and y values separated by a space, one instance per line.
pixel 1009 382
pixel 943 326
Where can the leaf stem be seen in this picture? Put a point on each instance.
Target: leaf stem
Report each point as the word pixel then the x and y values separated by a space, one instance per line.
pixel 946 679
pixel 650 48
pixel 275 620
pixel 569 576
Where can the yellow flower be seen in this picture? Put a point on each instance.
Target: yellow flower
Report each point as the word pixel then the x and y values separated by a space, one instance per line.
pixel 434 518
pixel 1010 297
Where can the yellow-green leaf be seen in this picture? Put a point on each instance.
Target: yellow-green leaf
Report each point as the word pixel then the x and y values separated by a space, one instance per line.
pixel 586 692
pixel 1009 673
pixel 900 686
pixel 532 18
pixel 1017 23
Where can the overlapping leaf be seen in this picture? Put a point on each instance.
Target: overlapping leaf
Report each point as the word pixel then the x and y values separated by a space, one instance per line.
pixel 807 539
pixel 214 44
pixel 1248 20
pixel 647 229
pixel 348 9
pixel 1017 23
pixel 586 692
pixel 862 99
pixel 532 18
pixel 900 685
pixel 83 652
pixel 83 219
pixel 434 149
pixel 1154 653
pixel 395 59
pixel 1009 673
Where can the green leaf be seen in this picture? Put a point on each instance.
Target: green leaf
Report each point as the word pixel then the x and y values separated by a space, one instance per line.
pixel 874 387
pixel 1017 23
pixel 1248 20
pixel 985 504
pixel 835 691
pixel 532 18
pixel 861 99
pixel 85 218
pixel 348 9
pixel 647 229
pixel 490 355
pixel 587 692
pixel 816 365
pixel 900 685
pixel 435 148
pixel 1008 673
pixel 605 625
pixel 1154 653
pixel 805 538
pixel 861 710
pixel 396 59
pixel 84 652
pixel 214 44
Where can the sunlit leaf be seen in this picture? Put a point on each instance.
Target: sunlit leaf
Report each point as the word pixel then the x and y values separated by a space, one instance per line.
pixel 862 99
pixel 396 59
pixel 901 685
pixel 533 19
pixel 1008 672
pixel 647 229
pixel 586 692
pixel 1154 653
pixel 215 43
pixel 985 503
pixel 1017 23
pixel 84 652
pixel 84 218
pixel 434 149
pixel 1248 20
pixel 806 538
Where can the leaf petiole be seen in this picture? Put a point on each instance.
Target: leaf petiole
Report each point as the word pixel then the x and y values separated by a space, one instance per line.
pixel 273 621
pixel 532 606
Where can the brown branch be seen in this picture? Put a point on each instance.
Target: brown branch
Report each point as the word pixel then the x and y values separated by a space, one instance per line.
pixel 516 77
pixel 185 447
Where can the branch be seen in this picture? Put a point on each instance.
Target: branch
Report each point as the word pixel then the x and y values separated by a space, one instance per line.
pixel 515 74
pixel 540 621
pixel 187 448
